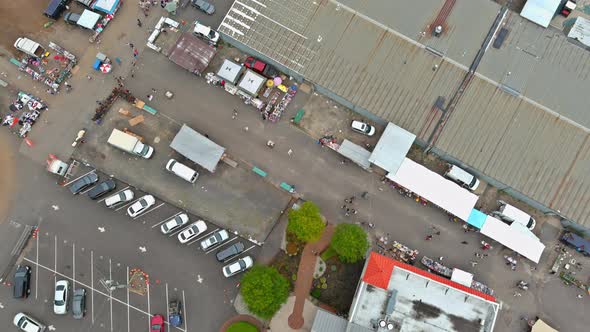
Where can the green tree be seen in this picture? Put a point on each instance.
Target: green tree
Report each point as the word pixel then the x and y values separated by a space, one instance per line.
pixel 350 242
pixel 264 290
pixel 306 222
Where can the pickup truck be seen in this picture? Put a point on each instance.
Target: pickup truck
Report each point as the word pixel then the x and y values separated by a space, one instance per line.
pixel 130 144
pixel 29 47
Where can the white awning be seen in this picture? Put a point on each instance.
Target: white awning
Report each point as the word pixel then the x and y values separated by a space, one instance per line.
pixel 540 11
pixel 435 188
pixel 517 239
pixel 392 148
pixel 462 277
pixel 356 153
pixel 88 19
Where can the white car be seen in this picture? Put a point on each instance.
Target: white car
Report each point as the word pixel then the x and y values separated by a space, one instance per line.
pixel 363 128
pixel 192 231
pixel 141 205
pixel 238 266
pixel 27 323
pixel 206 33
pixel 60 299
pixel 118 198
pixel 174 223
pixel 215 239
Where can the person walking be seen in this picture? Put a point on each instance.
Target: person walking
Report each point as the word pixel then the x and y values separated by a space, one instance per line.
pixel 139 23
pixel 135 53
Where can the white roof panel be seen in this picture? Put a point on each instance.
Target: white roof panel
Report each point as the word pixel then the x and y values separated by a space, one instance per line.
pixel 435 188
pixel 462 277
pixel 197 148
pixel 229 71
pixel 356 153
pixel 581 31
pixel 524 244
pixel 251 82
pixel 540 11
pixel 392 148
pixel 88 19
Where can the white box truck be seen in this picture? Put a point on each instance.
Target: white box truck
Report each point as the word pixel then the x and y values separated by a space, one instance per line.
pixel 130 144
pixel 29 47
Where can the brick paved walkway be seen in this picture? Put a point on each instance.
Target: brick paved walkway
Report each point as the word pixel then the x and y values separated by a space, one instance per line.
pixel 305 275
pixel 243 318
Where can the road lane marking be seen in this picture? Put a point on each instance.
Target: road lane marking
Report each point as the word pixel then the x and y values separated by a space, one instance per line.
pixel 202 237
pixel 92 283
pixel 169 218
pixel 37 269
pixel 118 192
pixel 147 211
pixel 78 178
pixel 111 293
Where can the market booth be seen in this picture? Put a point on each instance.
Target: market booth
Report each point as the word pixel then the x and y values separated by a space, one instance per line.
pixel 197 148
pixel 356 153
pixel 251 84
pixel 392 148
pixel 230 71
pixel 515 236
pixel 88 19
pixel 435 188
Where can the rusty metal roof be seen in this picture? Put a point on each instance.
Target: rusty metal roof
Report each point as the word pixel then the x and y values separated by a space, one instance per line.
pixel 192 53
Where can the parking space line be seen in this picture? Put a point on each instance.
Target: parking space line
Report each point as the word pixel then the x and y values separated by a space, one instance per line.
pixel 149 211
pixel 37 269
pixel 92 283
pixel 73 266
pixel 240 255
pixel 125 205
pixel 55 259
pixel 202 237
pixel 87 286
pixel 184 310
pixel 105 197
pixel 87 190
pixel 155 225
pixel 167 305
pixel 76 179
pixel 149 308
pixel 111 294
pixel 223 245
pixel 127 288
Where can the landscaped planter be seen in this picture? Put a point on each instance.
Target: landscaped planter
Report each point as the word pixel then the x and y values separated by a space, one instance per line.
pixel 242 327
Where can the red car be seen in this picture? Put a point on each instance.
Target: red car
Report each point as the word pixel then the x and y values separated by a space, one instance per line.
pixel 260 67
pixel 157 324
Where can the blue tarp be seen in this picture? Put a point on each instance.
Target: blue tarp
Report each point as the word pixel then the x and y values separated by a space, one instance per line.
pixel 476 218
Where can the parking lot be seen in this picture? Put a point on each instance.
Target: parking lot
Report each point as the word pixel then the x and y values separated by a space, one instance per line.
pixel 110 247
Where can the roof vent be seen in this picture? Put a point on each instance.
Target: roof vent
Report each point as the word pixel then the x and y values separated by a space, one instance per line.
pixel 437 30
pixel 382 323
pixel 389 326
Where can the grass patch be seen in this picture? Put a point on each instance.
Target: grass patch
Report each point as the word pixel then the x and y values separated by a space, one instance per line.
pixel 242 327
pixel 328 253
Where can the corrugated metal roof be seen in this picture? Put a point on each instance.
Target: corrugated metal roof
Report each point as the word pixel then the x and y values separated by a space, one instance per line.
pixel 356 153
pixel 352 48
pixel 392 148
pixel 192 53
pixel 328 322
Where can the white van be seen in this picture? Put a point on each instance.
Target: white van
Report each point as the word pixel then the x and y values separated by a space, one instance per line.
pixel 511 214
pixel 182 171
pixel 463 178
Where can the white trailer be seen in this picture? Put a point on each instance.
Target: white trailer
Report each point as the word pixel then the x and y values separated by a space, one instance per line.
pixel 130 144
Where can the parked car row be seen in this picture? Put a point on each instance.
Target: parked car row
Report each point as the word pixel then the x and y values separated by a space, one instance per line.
pixel 61 300
pixel 190 232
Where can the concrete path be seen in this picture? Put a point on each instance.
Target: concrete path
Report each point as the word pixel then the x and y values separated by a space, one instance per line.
pixel 305 275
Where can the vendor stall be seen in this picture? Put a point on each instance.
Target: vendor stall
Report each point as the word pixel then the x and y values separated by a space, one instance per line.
pixel 23 112
pixel 109 7
pixel 88 19
pixel 50 69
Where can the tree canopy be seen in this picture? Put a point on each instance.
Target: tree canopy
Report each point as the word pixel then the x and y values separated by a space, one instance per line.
pixel 306 222
pixel 350 242
pixel 264 290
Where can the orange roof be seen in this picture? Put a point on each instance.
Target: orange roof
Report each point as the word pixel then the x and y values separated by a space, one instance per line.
pixel 378 271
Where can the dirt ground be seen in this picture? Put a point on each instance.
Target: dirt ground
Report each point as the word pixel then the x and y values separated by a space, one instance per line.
pixel 23 17
pixel 514 5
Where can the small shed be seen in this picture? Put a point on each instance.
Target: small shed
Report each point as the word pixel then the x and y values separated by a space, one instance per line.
pixel 197 148
pixel 88 19
pixel 251 83
pixel 192 53
pixel 230 71
pixel 392 148
pixel 356 153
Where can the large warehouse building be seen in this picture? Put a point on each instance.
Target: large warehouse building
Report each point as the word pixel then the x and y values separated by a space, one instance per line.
pixel 479 85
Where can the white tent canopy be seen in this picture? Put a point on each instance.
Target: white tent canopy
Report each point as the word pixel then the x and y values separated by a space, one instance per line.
pixel 540 11
pixel 435 188
pixel 462 277
pixel 197 148
pixel 356 153
pixel 515 238
pixel 392 148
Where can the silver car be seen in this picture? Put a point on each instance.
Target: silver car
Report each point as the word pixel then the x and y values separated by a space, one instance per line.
pixel 203 6
pixel 60 299
pixel 79 303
